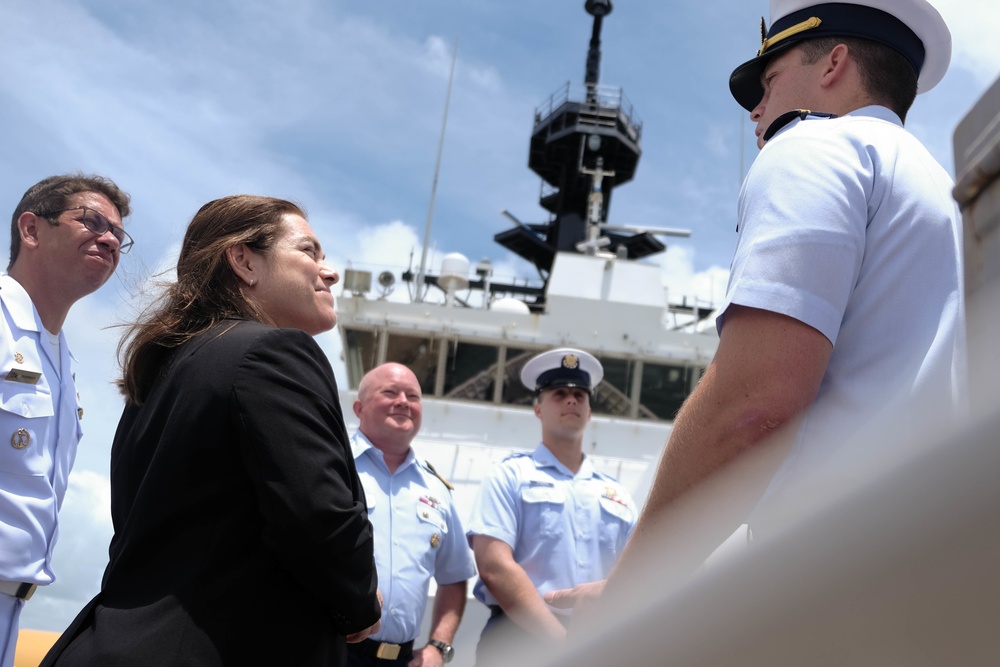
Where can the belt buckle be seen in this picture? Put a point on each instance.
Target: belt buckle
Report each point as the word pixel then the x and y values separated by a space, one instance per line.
pixel 25 591
pixel 387 651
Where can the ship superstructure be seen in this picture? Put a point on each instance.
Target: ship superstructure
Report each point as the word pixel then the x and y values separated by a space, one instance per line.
pixel 593 294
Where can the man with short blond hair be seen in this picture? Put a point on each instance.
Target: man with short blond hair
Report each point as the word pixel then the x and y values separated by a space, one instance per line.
pixel 418 534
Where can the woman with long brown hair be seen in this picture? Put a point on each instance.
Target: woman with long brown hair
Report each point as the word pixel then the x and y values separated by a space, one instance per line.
pixel 240 528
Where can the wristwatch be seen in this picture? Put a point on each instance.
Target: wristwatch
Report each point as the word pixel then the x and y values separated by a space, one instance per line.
pixel 447 652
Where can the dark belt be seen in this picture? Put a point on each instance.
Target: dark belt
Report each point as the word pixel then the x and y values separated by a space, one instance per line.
pixel 18 589
pixel 383 650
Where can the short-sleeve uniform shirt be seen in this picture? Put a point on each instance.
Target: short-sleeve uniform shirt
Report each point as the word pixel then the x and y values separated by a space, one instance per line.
pixel 848 225
pixel 564 529
pixel 418 535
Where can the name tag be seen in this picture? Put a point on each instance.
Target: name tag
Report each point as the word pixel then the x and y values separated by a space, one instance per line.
pixel 23 376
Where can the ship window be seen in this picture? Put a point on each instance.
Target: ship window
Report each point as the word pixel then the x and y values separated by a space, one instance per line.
pixel 612 394
pixel 360 352
pixel 419 354
pixel 515 393
pixel 471 371
pixel 664 388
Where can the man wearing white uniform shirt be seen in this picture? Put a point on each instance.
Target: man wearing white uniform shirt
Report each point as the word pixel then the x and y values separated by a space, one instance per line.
pixel 66 240
pixel 418 534
pixel 846 297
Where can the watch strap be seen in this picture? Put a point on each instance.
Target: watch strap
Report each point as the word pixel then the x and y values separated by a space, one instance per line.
pixel 447 652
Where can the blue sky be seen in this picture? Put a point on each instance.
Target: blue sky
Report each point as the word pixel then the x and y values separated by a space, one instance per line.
pixel 338 105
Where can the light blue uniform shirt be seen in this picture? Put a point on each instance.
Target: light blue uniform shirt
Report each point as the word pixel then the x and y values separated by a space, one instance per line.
pixel 418 535
pixel 849 225
pixel 564 529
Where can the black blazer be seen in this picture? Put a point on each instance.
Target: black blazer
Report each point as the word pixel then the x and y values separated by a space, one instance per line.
pixel 241 535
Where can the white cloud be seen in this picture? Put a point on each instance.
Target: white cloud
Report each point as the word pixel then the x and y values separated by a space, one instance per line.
pixel 389 244
pixel 684 284
pixel 973 25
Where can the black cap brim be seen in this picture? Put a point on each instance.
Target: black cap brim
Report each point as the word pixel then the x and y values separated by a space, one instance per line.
pixel 744 82
pixel 847 20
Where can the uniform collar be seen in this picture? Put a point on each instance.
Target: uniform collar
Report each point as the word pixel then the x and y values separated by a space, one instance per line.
pixel 793 118
pixel 22 310
pixel 544 458
pixel 880 112
pixel 360 444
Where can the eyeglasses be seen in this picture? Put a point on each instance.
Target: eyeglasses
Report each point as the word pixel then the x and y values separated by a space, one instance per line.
pixel 96 223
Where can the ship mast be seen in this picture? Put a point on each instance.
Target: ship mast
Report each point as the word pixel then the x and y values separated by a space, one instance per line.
pixel 585 143
pixel 582 146
pixel 422 271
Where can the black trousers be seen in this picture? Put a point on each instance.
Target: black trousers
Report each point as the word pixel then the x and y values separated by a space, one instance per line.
pixel 500 634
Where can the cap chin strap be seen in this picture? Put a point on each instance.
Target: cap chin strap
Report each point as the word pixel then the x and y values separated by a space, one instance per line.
pixel 786 118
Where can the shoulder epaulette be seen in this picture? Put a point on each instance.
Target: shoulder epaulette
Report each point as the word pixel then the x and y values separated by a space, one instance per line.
pixel 438 475
pixel 786 118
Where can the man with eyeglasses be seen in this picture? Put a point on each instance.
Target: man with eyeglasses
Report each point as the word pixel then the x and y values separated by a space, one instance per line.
pixel 66 238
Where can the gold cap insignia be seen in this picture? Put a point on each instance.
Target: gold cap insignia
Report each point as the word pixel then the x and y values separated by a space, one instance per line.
pixel 570 361
pixel 435 540
pixel 766 42
pixel 20 439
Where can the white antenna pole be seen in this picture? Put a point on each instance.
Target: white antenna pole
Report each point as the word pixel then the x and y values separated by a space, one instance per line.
pixel 422 271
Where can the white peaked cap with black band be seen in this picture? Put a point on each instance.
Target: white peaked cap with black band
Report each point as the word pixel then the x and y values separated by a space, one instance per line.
pixel 564 367
pixel 912 27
